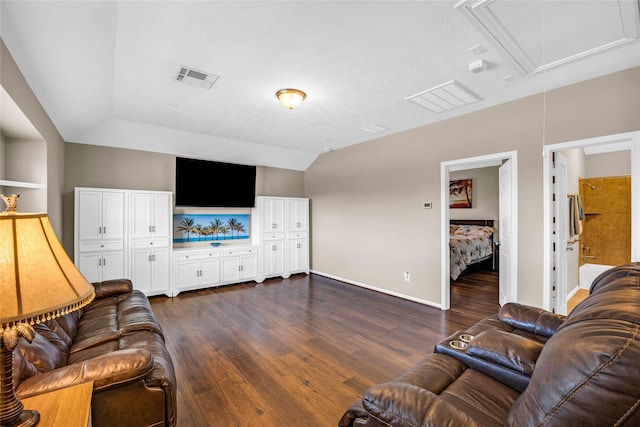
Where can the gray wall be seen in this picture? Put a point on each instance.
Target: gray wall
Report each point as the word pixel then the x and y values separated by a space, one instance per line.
pixel 368 222
pixel 17 88
pixel 108 167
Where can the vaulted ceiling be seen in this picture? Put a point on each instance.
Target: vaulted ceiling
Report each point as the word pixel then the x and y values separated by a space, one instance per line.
pixel 105 70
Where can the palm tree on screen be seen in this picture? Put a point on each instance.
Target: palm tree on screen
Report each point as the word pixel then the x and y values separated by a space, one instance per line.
pixel 232 223
pixel 224 230
pixel 216 225
pixel 186 226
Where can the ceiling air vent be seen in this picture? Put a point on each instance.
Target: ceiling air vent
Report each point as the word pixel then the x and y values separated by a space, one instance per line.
pixel 445 97
pixel 194 77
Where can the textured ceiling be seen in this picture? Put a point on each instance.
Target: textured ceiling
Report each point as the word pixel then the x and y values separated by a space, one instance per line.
pixel 103 70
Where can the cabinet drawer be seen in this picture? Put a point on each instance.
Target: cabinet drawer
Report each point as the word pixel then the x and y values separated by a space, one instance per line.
pixel 141 244
pixel 101 246
pixel 196 256
pixel 239 252
pixel 272 236
pixel 298 235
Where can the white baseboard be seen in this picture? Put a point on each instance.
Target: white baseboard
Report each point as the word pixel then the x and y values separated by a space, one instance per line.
pixel 381 290
pixel 572 292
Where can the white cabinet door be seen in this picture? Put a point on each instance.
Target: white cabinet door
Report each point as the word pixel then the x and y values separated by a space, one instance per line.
pixel 113 215
pixel 249 267
pixel 90 265
pixel 272 213
pixel 141 211
pixel 297 214
pixel 273 258
pixel 298 256
pixel 142 270
pixel 150 215
pixel 100 266
pixel 209 272
pixel 112 265
pixel 230 271
pixel 161 271
pixel 187 276
pixel 89 215
pixel 100 215
pixel 161 218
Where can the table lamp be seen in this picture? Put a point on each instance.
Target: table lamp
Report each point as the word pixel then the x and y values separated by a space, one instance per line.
pixel 38 282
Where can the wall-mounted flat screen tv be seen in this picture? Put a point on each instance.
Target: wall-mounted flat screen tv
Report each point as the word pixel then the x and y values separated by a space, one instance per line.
pixel 205 183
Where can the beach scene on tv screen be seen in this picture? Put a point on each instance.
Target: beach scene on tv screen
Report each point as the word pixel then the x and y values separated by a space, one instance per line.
pixel 210 227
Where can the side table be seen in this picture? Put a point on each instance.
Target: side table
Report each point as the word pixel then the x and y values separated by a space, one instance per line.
pixel 69 407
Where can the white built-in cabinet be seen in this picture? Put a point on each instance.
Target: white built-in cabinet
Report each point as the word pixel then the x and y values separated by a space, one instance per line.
pixel 198 268
pixel 99 230
pixel 150 218
pixel 124 234
pixel 280 226
pixel 128 234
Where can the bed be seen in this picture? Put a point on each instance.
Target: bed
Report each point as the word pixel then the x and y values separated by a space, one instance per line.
pixel 470 242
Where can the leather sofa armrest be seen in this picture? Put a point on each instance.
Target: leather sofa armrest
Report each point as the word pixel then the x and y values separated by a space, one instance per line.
pixel 530 319
pixel 107 370
pixel 510 351
pixel 399 404
pixel 110 288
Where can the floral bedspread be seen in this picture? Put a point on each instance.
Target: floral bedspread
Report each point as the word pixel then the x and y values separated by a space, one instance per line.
pixel 465 250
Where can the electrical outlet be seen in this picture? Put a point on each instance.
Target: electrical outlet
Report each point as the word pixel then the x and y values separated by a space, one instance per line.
pixel 407 276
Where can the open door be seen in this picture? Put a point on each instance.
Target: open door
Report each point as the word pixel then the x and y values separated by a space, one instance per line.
pixel 561 214
pixel 505 235
pixel 508 221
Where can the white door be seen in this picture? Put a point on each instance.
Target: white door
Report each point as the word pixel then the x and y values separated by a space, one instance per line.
pixel 89 215
pixel 90 265
pixel 506 271
pixel 161 215
pixel 140 221
pixel 113 265
pixel 561 212
pixel 298 214
pixel 161 271
pixel 113 215
pixel 272 215
pixel 142 270
pixel 209 272
pixel 187 275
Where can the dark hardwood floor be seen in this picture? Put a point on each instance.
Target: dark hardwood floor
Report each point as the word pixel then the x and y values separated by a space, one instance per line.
pixel 299 351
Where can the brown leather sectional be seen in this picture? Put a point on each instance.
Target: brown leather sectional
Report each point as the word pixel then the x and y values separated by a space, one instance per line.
pixel 116 342
pixel 526 367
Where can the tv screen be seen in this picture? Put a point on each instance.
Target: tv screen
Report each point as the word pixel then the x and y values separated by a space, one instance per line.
pixel 213 184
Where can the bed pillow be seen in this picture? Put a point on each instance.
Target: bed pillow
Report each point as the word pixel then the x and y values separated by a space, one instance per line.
pixel 453 228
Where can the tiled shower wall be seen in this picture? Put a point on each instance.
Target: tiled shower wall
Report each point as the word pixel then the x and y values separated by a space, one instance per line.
pixel 606 231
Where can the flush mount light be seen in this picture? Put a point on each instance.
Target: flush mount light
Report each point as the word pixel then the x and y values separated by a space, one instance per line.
pixel 291 98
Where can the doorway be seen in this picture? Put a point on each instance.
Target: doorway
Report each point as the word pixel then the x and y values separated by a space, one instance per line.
pixel 557 242
pixel 508 221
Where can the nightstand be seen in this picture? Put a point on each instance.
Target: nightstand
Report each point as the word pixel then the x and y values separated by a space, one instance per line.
pixel 69 407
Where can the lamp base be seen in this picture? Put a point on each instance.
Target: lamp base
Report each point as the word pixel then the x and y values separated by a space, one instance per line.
pixel 28 418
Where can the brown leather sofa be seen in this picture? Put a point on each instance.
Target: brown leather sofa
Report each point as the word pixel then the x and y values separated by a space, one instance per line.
pixel 526 367
pixel 116 342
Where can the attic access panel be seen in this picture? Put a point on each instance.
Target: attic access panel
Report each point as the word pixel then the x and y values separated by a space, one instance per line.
pixel 538 35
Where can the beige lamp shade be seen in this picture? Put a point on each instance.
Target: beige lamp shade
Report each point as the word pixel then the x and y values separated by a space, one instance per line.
pixel 38 281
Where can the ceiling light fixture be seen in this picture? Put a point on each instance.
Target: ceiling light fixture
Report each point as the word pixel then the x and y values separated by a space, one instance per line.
pixel 291 98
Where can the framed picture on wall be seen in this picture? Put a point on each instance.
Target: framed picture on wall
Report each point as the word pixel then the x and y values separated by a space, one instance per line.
pixel 460 193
